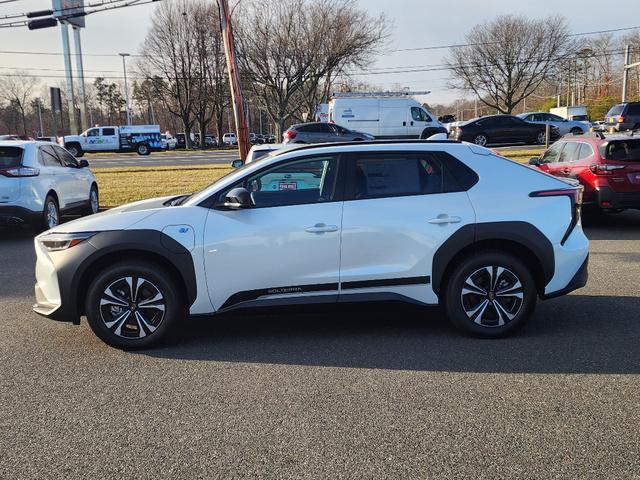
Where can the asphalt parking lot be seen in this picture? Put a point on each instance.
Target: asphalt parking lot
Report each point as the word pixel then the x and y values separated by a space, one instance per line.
pixel 161 159
pixel 380 392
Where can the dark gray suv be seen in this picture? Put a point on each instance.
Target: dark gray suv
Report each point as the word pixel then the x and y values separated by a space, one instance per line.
pixel 624 116
pixel 322 132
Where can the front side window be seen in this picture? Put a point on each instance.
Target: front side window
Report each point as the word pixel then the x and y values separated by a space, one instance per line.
pixel 47 157
pixel 551 155
pixel 399 174
pixel 293 183
pixel 68 159
pixel 569 152
pixel 419 115
pixel 94 132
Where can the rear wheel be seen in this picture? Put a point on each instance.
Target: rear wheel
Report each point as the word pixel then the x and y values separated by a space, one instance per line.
pixel 481 139
pixel 94 201
pixel 143 149
pixel 133 305
pixel 50 213
pixel 490 294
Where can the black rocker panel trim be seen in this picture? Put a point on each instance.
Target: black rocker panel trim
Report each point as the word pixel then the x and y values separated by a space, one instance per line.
pixel 522 233
pixel 249 295
pixel 386 282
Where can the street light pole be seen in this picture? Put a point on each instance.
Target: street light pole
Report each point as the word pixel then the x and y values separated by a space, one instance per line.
pixel 126 87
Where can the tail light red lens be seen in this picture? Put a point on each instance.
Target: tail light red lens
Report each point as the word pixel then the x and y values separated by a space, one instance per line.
pixel 620 119
pixel 20 172
pixel 290 134
pixel 604 169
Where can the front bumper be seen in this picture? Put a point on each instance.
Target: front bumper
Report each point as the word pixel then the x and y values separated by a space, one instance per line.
pixel 13 215
pixel 606 198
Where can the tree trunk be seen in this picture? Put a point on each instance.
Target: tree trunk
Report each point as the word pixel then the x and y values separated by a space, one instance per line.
pixel 187 133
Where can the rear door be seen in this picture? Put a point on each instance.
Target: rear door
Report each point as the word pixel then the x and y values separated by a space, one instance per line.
pixel 10 158
pixel 400 207
pixel 110 138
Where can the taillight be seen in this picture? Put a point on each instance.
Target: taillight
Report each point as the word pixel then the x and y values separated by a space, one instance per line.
pixel 575 194
pixel 604 169
pixel 620 119
pixel 290 134
pixel 20 172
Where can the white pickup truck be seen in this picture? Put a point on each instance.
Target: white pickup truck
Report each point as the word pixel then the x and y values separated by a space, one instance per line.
pixel 142 139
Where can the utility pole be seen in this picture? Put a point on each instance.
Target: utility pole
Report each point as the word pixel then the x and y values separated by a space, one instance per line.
pixel 39 103
pixel 80 73
pixel 240 117
pixel 126 87
pixel 73 126
pixel 625 77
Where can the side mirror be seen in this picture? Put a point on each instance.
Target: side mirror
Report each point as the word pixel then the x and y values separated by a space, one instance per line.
pixel 237 198
pixel 237 163
pixel 535 161
pixel 83 164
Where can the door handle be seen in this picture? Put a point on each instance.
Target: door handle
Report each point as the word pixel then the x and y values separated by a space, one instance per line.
pixel 444 219
pixel 321 228
pixel 404 124
pixel 412 123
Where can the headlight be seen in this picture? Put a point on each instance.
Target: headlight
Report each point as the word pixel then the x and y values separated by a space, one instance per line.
pixel 55 242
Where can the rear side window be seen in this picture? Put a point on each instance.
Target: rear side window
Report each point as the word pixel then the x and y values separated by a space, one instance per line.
pixel 10 157
pixel 621 150
pixel 394 174
pixel 108 131
pixel 585 151
pixel 616 110
pixel 48 158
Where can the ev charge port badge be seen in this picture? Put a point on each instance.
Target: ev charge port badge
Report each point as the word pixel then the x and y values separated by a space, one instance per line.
pixel 183 234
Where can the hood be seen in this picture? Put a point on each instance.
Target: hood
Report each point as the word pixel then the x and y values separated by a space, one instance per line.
pixel 119 218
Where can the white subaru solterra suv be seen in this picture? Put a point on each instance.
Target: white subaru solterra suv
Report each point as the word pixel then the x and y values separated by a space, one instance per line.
pixel 427 222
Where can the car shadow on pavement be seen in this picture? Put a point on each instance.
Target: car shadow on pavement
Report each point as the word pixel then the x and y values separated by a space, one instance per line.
pixel 573 334
pixel 612 226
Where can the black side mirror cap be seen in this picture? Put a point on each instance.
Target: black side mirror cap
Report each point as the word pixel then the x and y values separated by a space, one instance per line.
pixel 534 161
pixel 237 198
pixel 83 164
pixel 237 163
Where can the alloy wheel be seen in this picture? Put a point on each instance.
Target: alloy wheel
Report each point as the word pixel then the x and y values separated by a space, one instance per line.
pixel 52 214
pixel 94 201
pixel 480 140
pixel 132 307
pixel 492 296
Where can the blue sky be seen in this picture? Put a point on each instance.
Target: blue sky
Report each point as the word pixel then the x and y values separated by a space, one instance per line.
pixel 417 23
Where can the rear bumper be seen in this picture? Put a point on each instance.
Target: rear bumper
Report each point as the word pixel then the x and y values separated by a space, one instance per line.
pixel 12 215
pixel 579 280
pixel 608 199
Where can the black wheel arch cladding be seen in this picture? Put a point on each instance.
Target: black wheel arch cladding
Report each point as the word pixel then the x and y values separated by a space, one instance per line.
pixel 74 269
pixel 521 233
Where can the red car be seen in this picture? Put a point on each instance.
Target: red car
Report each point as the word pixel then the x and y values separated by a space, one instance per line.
pixel 607 167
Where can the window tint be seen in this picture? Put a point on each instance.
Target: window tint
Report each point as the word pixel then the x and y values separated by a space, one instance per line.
pixel 488 122
pixel 616 110
pixel 551 155
pixel 314 127
pixel 400 174
pixel 94 132
pixel 108 131
pixel 554 118
pixel 10 157
pixel 339 129
pixel 293 183
pixel 569 152
pixel 324 128
pixel 47 157
pixel 633 109
pixel 585 151
pixel 68 159
pixel 621 150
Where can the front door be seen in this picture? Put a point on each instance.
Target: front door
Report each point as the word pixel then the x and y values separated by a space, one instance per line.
pixel 398 210
pixel 286 245
pixel 92 140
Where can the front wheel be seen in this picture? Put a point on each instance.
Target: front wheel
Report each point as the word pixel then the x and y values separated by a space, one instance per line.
pixel 133 305
pixel 541 138
pixel 490 294
pixel 143 149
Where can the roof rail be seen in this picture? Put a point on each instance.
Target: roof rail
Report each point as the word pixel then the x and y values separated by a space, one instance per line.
pixel 306 146
pixel 377 94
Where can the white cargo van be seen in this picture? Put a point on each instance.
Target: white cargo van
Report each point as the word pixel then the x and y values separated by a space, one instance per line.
pixel 383 116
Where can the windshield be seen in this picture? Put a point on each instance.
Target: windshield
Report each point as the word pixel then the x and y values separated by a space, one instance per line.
pixel 615 110
pixel 10 157
pixel 621 150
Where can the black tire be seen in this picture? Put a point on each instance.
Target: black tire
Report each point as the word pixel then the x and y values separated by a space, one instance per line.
pixel 50 212
pixel 481 139
pixel 93 207
pixel 143 149
pixel 118 324
pixel 464 307
pixel 75 150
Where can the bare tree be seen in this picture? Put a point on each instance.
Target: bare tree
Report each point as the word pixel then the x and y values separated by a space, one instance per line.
pixel 289 48
pixel 17 90
pixel 506 60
